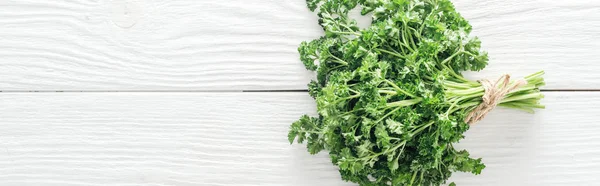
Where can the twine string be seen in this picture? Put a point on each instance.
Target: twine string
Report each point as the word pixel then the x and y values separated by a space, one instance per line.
pixel 494 93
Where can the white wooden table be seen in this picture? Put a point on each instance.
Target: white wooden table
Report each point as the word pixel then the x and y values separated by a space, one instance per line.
pixel 98 92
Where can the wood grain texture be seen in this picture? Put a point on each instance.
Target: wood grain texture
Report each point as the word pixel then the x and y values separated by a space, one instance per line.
pixel 156 139
pixel 153 45
pixel 523 37
pixel 187 45
pixel 240 139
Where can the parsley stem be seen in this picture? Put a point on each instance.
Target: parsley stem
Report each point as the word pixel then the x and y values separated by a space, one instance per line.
pixel 396 138
pixel 452 56
pixel 422 174
pixel 534 75
pixel 422 128
pixel 388 114
pixel 404 40
pixel 391 53
pixel 400 46
pixel 398 88
pixel 404 103
pixel 390 48
pixel 467 91
pixel 340 61
pixel 407 47
pixel 412 40
pixel 519 107
pixel 452 106
pixel 456 75
pixel 462 98
pixel 336 67
pixel 423 23
pixel 346 33
pixel 522 97
pixel 469 53
pixel 387 92
pixel 466 105
pixel 401 144
pixel 346 98
pixel 412 180
pixel 450 83
pixel 311 131
pixel 401 150
pixel 408 35
pixel 349 29
pixel 527 89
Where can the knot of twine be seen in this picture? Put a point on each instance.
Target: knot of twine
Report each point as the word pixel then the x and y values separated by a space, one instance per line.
pixel 492 96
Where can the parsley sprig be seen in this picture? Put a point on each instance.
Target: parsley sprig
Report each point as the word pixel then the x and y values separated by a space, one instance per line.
pixel 391 98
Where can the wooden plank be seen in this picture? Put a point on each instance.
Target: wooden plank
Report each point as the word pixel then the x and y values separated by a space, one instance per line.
pixel 153 45
pixel 251 44
pixel 523 37
pixel 555 146
pixel 240 139
pixel 156 139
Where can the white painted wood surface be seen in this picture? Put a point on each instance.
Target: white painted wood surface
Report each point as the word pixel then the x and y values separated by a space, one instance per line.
pixel 251 44
pixel 152 133
pixel 240 139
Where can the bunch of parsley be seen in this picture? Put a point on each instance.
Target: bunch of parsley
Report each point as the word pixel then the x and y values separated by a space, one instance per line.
pixel 390 97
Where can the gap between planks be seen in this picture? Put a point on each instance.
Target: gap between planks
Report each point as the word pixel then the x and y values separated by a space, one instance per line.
pixel 220 91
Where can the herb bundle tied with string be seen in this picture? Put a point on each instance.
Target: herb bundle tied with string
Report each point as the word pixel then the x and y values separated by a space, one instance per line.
pixel 391 99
